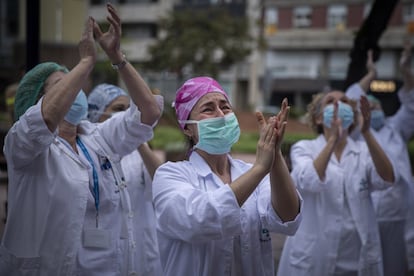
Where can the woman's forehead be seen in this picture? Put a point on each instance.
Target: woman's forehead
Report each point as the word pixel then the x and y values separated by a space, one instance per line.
pixel 336 95
pixel 211 98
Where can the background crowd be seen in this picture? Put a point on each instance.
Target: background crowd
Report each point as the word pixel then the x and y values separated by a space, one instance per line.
pixel 88 196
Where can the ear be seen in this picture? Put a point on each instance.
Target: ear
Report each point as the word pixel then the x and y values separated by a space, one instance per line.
pixel 188 131
pixel 319 119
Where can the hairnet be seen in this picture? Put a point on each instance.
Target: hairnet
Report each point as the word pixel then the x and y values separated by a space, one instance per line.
pixel 32 84
pixel 190 92
pixel 100 97
pixel 373 99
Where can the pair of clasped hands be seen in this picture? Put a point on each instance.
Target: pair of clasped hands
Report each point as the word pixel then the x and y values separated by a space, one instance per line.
pixel 109 41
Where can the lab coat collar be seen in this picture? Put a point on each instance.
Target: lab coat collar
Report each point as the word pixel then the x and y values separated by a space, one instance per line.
pixel 201 166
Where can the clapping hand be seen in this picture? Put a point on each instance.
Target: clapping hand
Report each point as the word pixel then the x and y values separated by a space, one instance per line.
pixel 366 114
pixel 271 135
pixel 110 41
pixel 87 47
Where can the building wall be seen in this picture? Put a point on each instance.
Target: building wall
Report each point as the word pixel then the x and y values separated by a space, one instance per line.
pixel 323 52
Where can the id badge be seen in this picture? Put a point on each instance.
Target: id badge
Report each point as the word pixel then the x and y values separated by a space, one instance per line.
pixel 96 238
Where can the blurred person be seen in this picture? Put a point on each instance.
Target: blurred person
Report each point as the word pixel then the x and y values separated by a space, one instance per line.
pixel 393 133
pixel 68 214
pixel 105 101
pixel 335 175
pixel 214 213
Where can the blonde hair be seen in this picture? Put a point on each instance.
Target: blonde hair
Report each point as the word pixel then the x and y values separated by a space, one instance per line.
pixel 314 110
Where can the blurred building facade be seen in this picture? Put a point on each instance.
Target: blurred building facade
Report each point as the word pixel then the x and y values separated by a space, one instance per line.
pixel 307 43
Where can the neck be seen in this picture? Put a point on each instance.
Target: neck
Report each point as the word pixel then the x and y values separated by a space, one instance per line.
pixel 219 164
pixel 340 143
pixel 68 132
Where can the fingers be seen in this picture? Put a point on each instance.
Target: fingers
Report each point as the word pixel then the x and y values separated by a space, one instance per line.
pixel 335 115
pixel 260 120
pixel 114 13
pixel 88 30
pixel 270 133
pixel 114 19
pixel 364 106
pixel 369 57
pixel 96 30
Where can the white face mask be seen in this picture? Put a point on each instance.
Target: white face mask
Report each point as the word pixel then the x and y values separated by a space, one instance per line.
pixel 78 110
pixel 217 135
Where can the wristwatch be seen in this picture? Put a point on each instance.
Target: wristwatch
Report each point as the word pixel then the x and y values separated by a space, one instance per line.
pixel 120 65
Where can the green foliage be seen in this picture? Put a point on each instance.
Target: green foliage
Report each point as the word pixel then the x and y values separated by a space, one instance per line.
pixel 103 73
pixel 204 40
pixel 166 137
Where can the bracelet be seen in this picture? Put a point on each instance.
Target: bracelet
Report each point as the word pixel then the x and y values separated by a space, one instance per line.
pixel 121 64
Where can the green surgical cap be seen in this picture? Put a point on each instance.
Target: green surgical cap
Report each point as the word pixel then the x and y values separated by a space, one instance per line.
pixel 31 85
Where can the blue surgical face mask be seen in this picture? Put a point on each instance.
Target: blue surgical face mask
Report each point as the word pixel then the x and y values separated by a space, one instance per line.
pixel 217 135
pixel 345 113
pixel 377 119
pixel 78 110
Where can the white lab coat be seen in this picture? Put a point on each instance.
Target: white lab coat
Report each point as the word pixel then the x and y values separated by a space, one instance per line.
pixel 48 193
pixel 392 204
pixel 313 250
pixel 198 220
pixel 147 255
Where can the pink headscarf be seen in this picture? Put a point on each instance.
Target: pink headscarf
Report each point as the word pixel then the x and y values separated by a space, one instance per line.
pixel 189 94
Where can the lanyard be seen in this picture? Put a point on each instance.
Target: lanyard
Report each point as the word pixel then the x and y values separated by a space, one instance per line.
pixel 95 177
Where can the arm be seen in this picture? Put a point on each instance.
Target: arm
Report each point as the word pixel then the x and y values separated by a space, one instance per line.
pixel 381 162
pixel 151 161
pixel 284 196
pixel 138 90
pixel 371 74
pixel 405 65
pixel 247 183
pixel 321 161
pixel 356 90
pixel 58 100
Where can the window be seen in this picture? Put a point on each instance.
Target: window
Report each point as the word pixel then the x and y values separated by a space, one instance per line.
pixel 302 17
pixel 139 30
pixel 337 16
pixel 271 20
pixel 408 13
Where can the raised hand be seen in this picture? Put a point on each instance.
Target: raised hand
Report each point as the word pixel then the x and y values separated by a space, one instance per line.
pixel 366 114
pixel 86 46
pixel 281 122
pixel 336 127
pixel 370 62
pixel 110 41
pixel 266 144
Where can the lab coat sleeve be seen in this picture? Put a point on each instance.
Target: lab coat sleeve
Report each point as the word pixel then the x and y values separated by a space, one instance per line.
pixel 28 138
pixel 355 92
pixel 409 229
pixel 303 172
pixel 269 218
pixel 188 213
pixel 375 180
pixel 124 132
pixel 403 119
